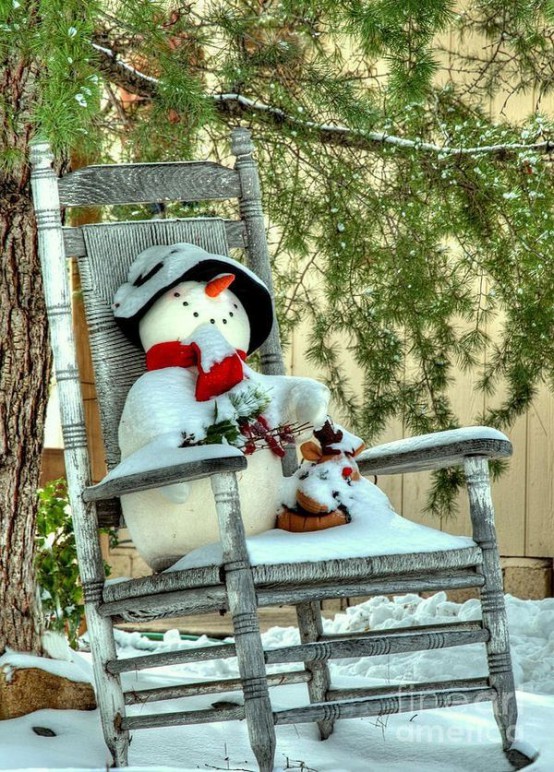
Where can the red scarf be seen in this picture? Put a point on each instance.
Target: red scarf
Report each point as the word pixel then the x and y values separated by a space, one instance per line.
pixel 221 376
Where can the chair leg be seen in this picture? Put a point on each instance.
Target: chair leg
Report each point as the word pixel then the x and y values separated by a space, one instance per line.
pixel 109 694
pixel 500 664
pixel 311 630
pixel 492 599
pixel 241 597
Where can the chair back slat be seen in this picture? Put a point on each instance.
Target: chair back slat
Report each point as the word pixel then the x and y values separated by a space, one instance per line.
pixel 149 183
pixel 74 241
pixel 110 249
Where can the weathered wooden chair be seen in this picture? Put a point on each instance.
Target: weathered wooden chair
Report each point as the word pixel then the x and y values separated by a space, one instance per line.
pixel 236 585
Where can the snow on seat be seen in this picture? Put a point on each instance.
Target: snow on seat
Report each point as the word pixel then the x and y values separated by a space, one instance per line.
pixel 376 529
pixel 363 548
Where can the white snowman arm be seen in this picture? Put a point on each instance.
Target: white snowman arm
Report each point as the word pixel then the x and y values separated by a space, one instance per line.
pixel 295 399
pixel 309 401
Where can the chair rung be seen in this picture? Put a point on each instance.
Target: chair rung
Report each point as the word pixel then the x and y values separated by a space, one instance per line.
pixel 189 601
pixel 141 696
pixel 349 570
pixel 333 695
pixel 374 646
pixel 153 720
pixel 276 596
pixel 381 567
pixel 393 631
pixel 369 644
pixel 204 600
pixel 173 581
pixel 223 651
pixel 367 706
pixel 383 705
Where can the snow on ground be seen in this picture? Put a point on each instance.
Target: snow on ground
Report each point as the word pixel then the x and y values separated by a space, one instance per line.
pixel 462 738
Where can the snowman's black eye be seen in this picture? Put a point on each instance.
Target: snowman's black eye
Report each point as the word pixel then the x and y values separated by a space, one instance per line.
pixel 195 313
pixel 176 294
pixel 235 305
pixel 185 302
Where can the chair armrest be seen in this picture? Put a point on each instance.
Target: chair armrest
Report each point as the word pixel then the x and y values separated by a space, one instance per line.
pixel 143 470
pixel 434 451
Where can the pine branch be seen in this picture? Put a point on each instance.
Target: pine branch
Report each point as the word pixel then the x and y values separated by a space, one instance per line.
pixel 125 75
pixel 136 82
pixel 343 135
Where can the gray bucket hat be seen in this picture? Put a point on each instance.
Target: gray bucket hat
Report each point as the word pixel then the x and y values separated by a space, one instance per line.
pixel 157 269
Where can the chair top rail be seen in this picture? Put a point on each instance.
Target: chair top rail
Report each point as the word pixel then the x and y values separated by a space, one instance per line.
pixel 148 183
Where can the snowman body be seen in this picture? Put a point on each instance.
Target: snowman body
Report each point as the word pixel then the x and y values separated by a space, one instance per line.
pixel 167 523
pixel 172 406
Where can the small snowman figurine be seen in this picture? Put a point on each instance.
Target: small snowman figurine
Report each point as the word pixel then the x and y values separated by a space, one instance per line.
pixel 324 487
pixel 198 316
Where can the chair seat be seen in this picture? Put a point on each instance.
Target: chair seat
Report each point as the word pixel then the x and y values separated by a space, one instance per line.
pixel 376 546
pixel 376 529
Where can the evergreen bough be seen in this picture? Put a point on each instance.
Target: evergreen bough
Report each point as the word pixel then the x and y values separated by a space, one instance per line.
pixel 406 222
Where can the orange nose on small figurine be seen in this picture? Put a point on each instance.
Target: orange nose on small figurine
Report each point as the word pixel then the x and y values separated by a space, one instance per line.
pixel 216 286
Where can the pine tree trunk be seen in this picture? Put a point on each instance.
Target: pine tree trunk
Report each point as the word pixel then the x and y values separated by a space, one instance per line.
pixel 24 370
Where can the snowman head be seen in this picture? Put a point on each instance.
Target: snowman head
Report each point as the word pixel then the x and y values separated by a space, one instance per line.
pixel 187 305
pixel 171 290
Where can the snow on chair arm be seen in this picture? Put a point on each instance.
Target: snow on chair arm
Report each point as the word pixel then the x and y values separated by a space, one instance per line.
pixel 434 451
pixel 143 469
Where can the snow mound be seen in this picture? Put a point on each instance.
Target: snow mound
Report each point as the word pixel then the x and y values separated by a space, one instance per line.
pixel 531 625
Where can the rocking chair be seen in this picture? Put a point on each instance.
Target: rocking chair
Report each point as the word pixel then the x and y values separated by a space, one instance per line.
pixel 239 583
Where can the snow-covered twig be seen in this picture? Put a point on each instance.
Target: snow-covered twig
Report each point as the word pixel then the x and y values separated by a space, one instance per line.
pixel 141 84
pixel 128 67
pixel 382 137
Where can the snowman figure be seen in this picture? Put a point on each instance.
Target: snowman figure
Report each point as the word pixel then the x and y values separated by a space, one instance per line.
pixel 324 488
pixel 198 316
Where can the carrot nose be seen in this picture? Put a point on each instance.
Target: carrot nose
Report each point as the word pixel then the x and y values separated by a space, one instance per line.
pixel 216 286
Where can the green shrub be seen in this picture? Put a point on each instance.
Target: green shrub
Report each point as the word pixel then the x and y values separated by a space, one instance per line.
pixel 56 562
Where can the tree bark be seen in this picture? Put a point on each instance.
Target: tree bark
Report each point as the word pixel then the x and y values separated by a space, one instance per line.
pixel 25 362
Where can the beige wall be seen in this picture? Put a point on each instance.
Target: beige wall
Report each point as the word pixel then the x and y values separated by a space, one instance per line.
pixel 524 495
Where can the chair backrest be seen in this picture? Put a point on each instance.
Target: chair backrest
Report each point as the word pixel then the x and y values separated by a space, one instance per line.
pixel 110 249
pixel 105 251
